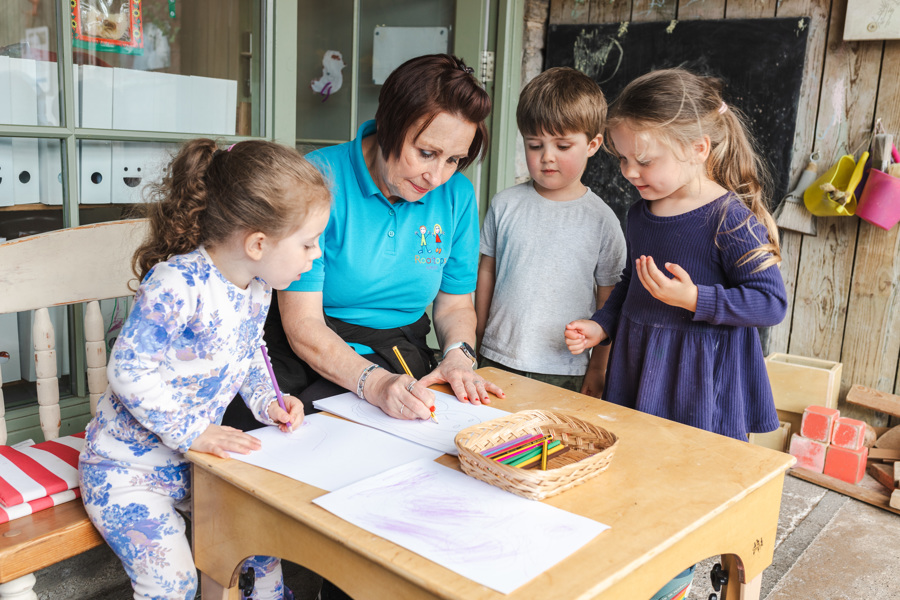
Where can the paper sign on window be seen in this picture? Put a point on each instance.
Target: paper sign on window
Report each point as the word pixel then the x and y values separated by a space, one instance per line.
pixel 108 26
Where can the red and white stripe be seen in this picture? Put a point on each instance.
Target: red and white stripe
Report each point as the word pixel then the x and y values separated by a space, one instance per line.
pixel 35 472
pixel 27 508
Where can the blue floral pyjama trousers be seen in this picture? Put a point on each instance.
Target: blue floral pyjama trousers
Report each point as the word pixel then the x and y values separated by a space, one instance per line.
pixel 137 511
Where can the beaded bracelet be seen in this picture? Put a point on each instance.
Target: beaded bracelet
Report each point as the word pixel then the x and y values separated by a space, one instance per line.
pixel 361 383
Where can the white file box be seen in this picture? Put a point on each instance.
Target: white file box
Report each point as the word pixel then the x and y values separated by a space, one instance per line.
pixel 96 103
pixel 95 171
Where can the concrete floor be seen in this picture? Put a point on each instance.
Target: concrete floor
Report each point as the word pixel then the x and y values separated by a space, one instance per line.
pixel 828 547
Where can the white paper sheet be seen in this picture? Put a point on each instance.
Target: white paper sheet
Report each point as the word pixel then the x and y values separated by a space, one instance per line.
pixel 452 415
pixel 490 536
pixel 330 453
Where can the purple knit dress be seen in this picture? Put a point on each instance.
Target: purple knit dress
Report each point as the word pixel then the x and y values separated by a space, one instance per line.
pixel 706 368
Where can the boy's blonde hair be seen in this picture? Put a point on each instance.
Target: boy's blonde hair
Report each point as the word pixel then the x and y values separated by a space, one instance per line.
pixel 678 108
pixel 561 101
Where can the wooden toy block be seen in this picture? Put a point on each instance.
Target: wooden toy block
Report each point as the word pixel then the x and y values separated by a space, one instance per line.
pixel 810 454
pixel 883 474
pixel 874 399
pixel 776 440
pixel 798 381
pixel 818 422
pixel 846 465
pixel 848 433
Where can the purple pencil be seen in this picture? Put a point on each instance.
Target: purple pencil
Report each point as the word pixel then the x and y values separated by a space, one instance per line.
pixel 274 381
pixel 508 445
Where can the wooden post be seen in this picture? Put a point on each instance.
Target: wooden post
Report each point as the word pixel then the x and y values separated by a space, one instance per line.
pixel 45 370
pixel 95 353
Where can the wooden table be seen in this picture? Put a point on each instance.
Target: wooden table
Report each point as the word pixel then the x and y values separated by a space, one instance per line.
pixel 672 495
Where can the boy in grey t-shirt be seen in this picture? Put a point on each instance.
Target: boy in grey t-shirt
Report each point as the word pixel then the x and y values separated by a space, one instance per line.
pixel 551 249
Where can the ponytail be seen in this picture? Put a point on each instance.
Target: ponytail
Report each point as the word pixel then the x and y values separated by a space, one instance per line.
pixel 208 194
pixel 175 219
pixel 679 108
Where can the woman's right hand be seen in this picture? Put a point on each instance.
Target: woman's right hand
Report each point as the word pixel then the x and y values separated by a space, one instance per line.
pixel 219 440
pixel 583 334
pixel 399 396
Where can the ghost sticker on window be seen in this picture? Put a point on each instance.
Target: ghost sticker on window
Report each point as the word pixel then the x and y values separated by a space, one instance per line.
pixel 331 79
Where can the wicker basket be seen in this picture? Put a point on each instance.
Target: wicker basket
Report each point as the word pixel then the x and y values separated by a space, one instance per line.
pixel 591 449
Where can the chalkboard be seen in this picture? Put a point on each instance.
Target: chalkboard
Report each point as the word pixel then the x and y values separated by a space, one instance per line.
pixel 760 62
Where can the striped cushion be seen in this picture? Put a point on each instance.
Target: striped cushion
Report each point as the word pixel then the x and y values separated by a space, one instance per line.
pixel 27 508
pixel 35 472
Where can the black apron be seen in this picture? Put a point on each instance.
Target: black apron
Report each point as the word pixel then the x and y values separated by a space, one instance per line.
pixel 297 378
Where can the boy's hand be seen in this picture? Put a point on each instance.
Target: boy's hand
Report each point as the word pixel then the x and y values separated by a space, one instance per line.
pixel 678 290
pixel 583 334
pixel 294 414
pixel 219 440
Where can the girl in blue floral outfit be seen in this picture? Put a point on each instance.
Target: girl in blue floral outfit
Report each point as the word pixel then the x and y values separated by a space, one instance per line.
pixel 228 227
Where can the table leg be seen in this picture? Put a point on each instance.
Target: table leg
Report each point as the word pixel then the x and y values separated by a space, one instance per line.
pixel 210 589
pixel 736 589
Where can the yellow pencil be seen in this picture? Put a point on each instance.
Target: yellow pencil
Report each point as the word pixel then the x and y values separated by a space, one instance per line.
pixel 408 372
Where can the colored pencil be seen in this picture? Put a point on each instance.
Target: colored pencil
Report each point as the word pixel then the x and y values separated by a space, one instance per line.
pixel 551 454
pixel 544 456
pixel 274 381
pixel 408 372
pixel 503 456
pixel 510 444
pixel 535 461
pixel 533 453
pixel 517 452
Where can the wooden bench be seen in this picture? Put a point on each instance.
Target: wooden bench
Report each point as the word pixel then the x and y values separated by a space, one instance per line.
pixel 69 266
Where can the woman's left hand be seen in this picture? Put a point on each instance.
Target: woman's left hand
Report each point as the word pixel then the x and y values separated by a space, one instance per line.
pixel 467 385
pixel 678 290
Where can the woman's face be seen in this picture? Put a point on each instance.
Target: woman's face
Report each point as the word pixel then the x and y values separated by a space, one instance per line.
pixel 426 162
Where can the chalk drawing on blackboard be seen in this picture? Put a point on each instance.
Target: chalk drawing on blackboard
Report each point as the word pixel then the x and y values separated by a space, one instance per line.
pixel 764 83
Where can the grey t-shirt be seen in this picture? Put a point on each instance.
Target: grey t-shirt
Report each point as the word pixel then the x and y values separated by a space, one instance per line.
pixel 549 256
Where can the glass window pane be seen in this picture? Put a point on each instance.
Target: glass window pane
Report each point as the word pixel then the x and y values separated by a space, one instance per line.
pixel 31 187
pixel 29 79
pixel 156 65
pixel 393 13
pixel 117 175
pixel 324 53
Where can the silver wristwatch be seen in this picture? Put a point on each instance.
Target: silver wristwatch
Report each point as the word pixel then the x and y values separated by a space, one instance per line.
pixel 466 349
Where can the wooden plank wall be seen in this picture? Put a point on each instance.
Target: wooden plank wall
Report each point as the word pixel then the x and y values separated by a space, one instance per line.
pixel 844 283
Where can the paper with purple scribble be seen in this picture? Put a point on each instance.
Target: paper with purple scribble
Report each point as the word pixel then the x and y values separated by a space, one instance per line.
pixel 453 416
pixel 330 453
pixel 490 536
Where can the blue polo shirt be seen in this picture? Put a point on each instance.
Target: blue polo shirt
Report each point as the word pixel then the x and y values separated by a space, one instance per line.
pixel 379 268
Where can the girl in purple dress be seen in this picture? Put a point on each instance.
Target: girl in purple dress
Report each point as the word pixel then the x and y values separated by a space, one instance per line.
pixel 701 273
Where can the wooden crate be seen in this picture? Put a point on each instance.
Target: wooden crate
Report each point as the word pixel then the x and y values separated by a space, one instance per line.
pixel 776 440
pixel 800 381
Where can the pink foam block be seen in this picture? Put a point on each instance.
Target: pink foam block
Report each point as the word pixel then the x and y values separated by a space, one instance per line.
pixel 846 465
pixel 817 423
pixel 848 433
pixel 810 454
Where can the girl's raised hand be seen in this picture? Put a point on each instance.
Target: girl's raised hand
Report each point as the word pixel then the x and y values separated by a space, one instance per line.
pixel 294 414
pixel 677 290
pixel 219 440
pixel 583 334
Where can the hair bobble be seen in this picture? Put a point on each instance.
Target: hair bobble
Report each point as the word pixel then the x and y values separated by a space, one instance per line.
pixel 723 108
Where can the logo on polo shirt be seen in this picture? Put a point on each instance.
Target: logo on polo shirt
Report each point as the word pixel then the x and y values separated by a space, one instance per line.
pixel 430 245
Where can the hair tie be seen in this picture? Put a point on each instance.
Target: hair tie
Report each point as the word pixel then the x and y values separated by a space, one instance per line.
pixel 723 108
pixel 228 149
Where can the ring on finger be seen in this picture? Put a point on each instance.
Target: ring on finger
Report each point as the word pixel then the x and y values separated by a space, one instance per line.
pixel 410 386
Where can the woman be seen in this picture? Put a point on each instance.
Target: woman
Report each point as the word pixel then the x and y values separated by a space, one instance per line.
pixel 382 265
